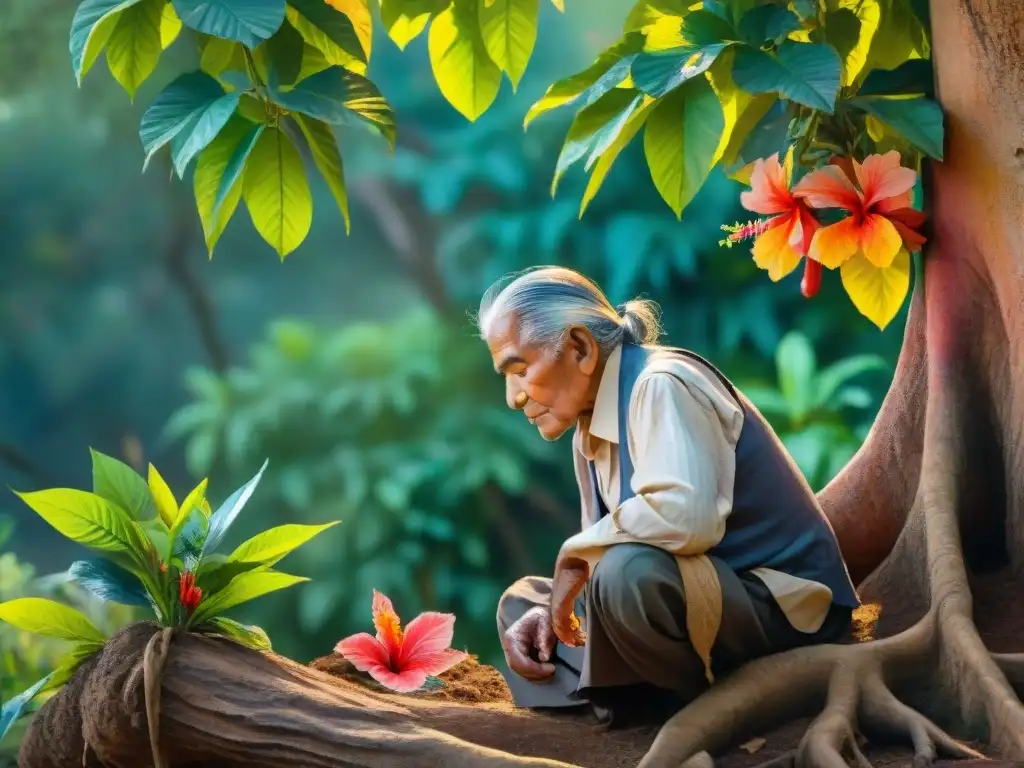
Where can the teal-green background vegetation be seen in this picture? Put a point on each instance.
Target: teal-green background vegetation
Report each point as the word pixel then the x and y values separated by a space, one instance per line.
pixel 354 366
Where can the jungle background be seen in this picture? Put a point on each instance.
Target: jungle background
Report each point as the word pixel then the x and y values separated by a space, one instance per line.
pixel 354 366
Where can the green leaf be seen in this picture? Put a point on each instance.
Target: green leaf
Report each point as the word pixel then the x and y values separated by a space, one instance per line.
pixel 159 536
pixel 509 29
pixel 595 128
pixel 661 72
pixel 249 636
pixel 767 23
pixel 170 25
pixel 135 45
pixel 406 19
pixel 217 54
pixel 88 519
pixel 201 130
pixel 608 71
pixel 109 581
pixel 245 21
pixel 215 572
pixel 463 69
pixel 329 31
pixel 607 159
pixel 50 618
pixel 245 587
pixel 210 169
pixel 339 97
pixel 850 29
pixel 183 104
pixel 807 73
pixel 900 36
pixel 703 28
pixel 681 140
pixel 918 120
pixel 269 547
pixel 91 28
pixel 796 365
pixel 277 193
pixel 839 373
pixel 914 77
pixel 229 510
pixel 69 664
pixel 118 483
pixel 229 185
pixel 327 157
pixel 188 536
pixel 284 53
pixel 15 706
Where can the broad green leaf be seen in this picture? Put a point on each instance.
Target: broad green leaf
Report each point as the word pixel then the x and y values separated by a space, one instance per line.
pixel 807 73
pixel 796 365
pixel 118 483
pixel 463 69
pixel 247 635
pixel 767 23
pixel 339 97
pixel 918 120
pixel 159 535
pixel 608 71
pixel 166 504
pixel 835 376
pixel 327 156
pixel 91 27
pixel 50 618
pixel 245 587
pixel 607 159
pixel 681 141
pixel 69 664
pixel 217 54
pixel 595 128
pixel 170 25
pixel 914 77
pixel 228 511
pixel 249 22
pixel 134 47
pixel 331 32
pixel 741 110
pixel 196 499
pixel 358 12
pixel 210 168
pixel 406 19
pixel 702 28
pixel 188 537
pixel 269 547
pixel 646 13
pixel 877 293
pixel 109 581
pixel 899 37
pixel 15 706
pixel 181 105
pixel 202 129
pixel 850 29
pixel 88 519
pixel 215 572
pixel 659 73
pixel 509 30
pixel 229 185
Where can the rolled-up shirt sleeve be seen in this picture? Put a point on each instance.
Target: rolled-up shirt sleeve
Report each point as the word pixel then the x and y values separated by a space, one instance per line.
pixel 682 436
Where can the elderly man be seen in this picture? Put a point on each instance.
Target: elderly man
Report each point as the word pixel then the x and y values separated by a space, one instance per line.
pixel 702 546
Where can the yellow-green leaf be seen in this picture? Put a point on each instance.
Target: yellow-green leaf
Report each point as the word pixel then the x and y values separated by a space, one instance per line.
pixel 165 502
pixel 70 662
pixel 88 519
pixel 277 193
pixel 900 36
pixel 243 588
pixel 358 12
pixel 326 155
pixel 170 26
pixel 331 32
pixel 195 500
pixel 559 4
pixel 212 163
pixel 681 141
pixel 406 19
pixel 217 54
pixel 50 618
pixel 91 27
pixel 467 77
pixel 850 27
pixel 249 636
pixel 509 29
pixel 877 293
pixel 608 157
pixel 270 546
pixel 741 110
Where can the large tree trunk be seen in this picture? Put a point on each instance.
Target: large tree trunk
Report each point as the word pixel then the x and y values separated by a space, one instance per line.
pixel 930 514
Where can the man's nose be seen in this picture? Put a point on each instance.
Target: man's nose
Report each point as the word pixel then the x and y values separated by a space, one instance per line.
pixel 515 397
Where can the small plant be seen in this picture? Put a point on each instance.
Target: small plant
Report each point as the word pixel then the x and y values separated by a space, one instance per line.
pixel 154 554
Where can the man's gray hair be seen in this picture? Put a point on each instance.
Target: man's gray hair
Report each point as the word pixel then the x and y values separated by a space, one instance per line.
pixel 547 301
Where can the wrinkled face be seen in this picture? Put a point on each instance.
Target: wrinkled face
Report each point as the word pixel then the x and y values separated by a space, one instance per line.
pixel 551 386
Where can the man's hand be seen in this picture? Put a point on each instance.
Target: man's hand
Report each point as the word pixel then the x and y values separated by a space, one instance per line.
pixel 531 633
pixel 571 575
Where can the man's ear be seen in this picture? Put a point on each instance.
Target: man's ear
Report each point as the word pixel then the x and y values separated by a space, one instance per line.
pixel 583 346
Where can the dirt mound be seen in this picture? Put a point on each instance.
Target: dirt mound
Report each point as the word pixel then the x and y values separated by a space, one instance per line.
pixel 469 682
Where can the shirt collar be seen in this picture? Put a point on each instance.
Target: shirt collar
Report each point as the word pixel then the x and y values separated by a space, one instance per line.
pixel 603 422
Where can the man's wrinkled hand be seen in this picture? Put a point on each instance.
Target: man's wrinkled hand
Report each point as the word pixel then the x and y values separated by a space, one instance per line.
pixel 571 575
pixel 532 633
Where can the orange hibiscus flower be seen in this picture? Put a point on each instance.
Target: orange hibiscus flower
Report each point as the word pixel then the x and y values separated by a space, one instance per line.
pixel 877 195
pixel 786 237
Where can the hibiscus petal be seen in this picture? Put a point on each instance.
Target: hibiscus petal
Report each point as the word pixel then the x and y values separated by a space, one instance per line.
pixel 427 634
pixel 772 251
pixel 769 192
pixel 436 663
pixel 834 244
pixel 906 221
pixel 882 177
pixel 387 623
pixel 896 203
pixel 879 240
pixel 364 652
pixel 406 681
pixel 803 231
pixel 828 187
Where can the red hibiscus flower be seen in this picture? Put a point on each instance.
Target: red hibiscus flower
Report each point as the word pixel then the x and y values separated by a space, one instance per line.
pixel 189 595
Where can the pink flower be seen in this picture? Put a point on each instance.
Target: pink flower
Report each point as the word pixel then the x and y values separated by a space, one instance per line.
pixel 402 661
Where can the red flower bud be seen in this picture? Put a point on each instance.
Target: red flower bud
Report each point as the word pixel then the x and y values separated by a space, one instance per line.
pixel 812 278
pixel 189 595
pixel 163 567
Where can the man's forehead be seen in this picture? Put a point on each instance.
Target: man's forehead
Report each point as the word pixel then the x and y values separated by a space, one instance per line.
pixel 501 334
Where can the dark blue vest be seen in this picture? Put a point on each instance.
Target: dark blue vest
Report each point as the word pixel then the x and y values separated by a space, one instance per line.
pixel 775 521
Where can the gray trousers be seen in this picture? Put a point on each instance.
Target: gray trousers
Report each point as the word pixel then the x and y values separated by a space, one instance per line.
pixel 634 611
